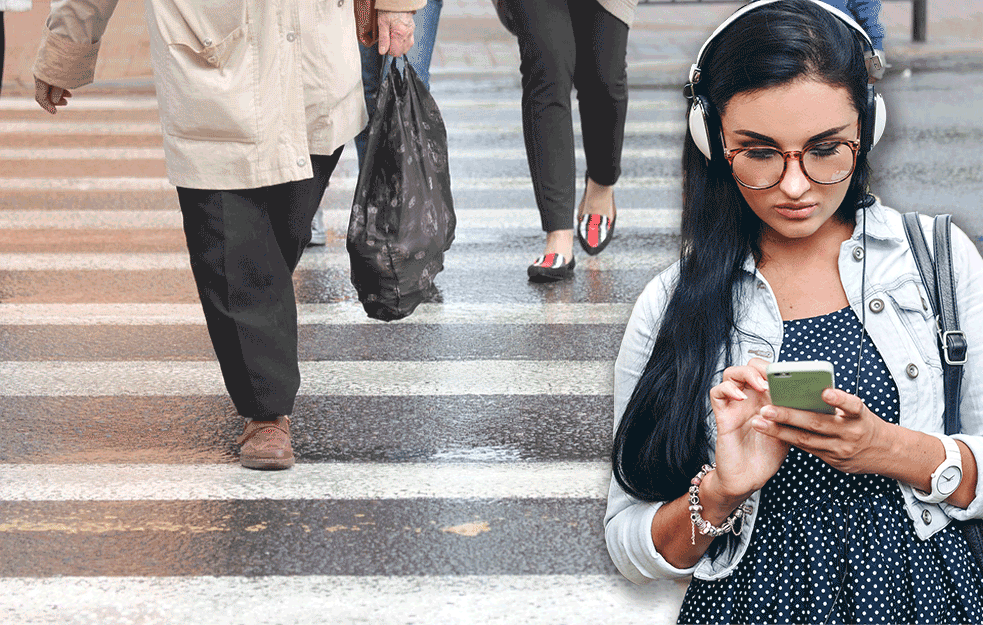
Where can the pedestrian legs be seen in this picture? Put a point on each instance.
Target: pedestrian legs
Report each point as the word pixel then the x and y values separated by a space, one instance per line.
pixel 244 246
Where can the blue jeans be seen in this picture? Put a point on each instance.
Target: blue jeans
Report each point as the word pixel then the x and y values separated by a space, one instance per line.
pixel 373 64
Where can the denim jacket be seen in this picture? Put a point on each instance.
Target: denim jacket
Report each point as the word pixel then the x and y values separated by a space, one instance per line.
pixel 899 322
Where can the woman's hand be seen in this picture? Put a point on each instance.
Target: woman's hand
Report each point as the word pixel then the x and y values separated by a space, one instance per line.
pixel 746 457
pixel 854 440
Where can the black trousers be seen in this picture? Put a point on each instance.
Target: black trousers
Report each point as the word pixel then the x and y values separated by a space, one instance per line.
pixel 244 246
pixel 565 44
pixel 3 45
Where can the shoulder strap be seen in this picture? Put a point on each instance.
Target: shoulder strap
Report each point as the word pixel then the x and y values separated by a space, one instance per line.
pixel 940 284
pixel 952 341
pixel 923 260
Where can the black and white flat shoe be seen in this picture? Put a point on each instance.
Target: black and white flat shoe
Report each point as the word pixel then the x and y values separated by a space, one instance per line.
pixel 550 268
pixel 594 232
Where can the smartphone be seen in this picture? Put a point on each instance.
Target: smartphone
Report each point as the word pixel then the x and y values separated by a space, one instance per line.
pixel 800 384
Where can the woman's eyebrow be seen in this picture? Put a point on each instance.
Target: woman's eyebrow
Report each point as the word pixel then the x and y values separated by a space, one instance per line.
pixel 750 134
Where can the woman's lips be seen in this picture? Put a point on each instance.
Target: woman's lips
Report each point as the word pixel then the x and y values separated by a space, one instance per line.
pixel 796 211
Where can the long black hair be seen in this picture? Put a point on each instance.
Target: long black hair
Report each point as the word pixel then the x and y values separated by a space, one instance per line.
pixel 661 441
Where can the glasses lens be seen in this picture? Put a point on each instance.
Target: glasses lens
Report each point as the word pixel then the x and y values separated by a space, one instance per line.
pixel 828 162
pixel 759 167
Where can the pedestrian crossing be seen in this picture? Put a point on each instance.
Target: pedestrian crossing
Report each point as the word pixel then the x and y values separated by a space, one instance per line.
pixel 452 466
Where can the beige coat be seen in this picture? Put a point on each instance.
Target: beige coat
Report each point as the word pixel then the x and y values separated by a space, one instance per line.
pixel 247 89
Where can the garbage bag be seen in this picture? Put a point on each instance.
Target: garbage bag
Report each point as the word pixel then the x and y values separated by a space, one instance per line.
pixel 402 218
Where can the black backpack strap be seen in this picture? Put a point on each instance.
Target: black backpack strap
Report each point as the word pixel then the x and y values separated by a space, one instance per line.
pixel 952 341
pixel 940 284
pixel 923 260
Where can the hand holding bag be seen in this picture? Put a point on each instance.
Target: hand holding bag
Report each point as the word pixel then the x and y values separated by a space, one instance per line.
pixel 402 218
pixel 940 284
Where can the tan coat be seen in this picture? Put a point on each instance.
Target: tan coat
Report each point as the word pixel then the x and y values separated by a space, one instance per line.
pixel 247 89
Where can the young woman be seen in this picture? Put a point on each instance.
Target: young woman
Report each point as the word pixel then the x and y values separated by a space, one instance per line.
pixel 804 517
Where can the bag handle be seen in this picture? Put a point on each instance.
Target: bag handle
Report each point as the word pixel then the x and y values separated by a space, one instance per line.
pixel 939 280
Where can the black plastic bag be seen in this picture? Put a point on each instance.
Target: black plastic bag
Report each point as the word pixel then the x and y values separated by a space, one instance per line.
pixel 402 217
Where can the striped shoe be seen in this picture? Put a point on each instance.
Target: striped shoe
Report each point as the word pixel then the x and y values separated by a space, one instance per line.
pixel 594 232
pixel 550 268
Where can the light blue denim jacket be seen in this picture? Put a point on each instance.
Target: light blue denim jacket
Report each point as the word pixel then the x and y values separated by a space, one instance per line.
pixel 900 323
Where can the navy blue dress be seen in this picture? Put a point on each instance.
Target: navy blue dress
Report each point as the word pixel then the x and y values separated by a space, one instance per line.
pixel 833 547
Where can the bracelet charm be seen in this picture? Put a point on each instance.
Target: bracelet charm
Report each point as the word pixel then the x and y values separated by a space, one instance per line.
pixel 734 523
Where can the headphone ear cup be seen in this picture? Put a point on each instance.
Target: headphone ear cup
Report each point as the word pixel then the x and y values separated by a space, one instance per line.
pixel 880 119
pixel 698 127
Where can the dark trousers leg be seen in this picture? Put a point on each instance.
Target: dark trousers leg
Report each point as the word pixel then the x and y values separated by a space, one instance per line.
pixel 3 46
pixel 565 44
pixel 601 80
pixel 548 59
pixel 244 246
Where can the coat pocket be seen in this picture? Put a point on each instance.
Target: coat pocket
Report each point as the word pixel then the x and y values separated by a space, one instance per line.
pixel 209 70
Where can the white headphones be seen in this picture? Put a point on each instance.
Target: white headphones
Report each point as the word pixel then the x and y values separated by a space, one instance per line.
pixel 699 127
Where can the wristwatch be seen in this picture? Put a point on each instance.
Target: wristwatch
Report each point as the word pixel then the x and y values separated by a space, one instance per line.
pixel 948 475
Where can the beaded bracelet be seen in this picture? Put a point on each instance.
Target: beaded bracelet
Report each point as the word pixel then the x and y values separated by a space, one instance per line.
pixel 734 522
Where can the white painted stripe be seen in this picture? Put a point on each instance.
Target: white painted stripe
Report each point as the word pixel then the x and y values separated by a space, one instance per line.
pixel 346 481
pixel 150 104
pixel 334 219
pixel 343 378
pixel 126 154
pixel 84 103
pixel 80 128
pixel 86 184
pixel 346 183
pixel 346 313
pixel 453 127
pixel 343 600
pixel 80 154
pixel 336 258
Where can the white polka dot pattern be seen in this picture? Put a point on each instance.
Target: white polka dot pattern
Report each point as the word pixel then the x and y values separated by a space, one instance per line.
pixel 836 547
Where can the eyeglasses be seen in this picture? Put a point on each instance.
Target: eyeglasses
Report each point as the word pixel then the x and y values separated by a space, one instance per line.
pixel 823 162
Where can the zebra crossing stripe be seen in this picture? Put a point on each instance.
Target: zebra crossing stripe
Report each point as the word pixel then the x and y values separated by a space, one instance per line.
pixel 335 219
pixel 333 259
pixel 315 600
pixel 340 378
pixel 346 313
pixel 454 128
pixel 346 183
pixel 337 481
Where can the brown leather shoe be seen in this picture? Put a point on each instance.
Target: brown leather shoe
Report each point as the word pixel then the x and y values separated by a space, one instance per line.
pixel 266 445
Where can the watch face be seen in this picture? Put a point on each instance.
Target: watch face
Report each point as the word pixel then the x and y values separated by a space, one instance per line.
pixel 949 480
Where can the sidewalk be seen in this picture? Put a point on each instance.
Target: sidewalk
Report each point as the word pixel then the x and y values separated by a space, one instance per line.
pixel 471 42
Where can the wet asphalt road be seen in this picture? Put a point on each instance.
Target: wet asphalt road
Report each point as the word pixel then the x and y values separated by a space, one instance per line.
pixel 451 467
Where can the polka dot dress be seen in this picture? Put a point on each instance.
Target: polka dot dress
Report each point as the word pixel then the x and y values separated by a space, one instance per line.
pixel 832 547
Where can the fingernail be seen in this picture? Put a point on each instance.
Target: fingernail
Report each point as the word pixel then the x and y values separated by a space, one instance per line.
pixel 769 412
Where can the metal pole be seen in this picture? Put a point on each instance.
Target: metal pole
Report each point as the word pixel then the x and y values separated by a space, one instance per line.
pixel 919 20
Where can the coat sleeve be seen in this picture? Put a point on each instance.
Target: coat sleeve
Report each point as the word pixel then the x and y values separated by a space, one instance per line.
pixel 628 521
pixel 70 41
pixel 968 267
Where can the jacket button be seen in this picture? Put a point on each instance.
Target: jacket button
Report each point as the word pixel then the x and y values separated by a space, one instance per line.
pixel 301 162
pixel 206 41
pixel 912 371
pixel 926 517
pixel 341 3
pixel 858 253
pixel 291 37
pixel 876 305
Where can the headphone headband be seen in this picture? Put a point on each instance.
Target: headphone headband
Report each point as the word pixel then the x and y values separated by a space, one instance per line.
pixel 699 113
pixel 694 72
